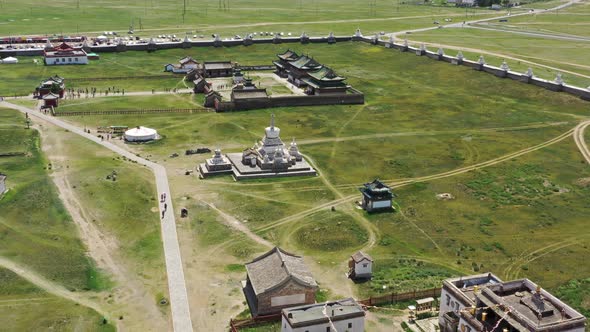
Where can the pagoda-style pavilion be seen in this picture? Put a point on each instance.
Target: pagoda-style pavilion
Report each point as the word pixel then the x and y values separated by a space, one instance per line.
pixel 282 64
pixel 324 81
pixel 54 84
pixel 299 69
pixel 377 196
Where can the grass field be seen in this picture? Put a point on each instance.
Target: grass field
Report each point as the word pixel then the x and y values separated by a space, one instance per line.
pixel 571 21
pixel 566 55
pixel 176 101
pixel 155 17
pixel 36 229
pixel 24 307
pixel 407 129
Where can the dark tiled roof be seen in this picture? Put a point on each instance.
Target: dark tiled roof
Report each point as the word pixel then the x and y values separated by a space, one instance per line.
pixel 288 55
pixel 325 74
pixel 275 268
pixel 305 62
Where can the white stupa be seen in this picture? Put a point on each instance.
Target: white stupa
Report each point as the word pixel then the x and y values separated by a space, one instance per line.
pixel 140 134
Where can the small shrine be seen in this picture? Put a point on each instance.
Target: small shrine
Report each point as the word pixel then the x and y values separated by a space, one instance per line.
pixel 377 196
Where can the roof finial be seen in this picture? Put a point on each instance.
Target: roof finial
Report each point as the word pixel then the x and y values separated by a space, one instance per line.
pixel 272 120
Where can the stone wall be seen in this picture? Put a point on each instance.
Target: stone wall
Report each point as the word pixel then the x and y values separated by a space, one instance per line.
pixel 291 288
pixel 352 97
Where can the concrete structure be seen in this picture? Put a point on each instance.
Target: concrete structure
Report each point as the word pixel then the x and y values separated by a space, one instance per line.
pixel 217 164
pixel 140 134
pixel 278 280
pixel 360 266
pixel 184 65
pixel 64 54
pixel 377 196
pixel 334 316
pixel 2 184
pixel 484 302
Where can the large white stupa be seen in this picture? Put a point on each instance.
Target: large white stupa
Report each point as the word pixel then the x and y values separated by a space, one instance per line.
pixel 140 134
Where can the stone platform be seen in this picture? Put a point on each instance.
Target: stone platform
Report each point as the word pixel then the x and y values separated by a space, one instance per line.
pixel 241 171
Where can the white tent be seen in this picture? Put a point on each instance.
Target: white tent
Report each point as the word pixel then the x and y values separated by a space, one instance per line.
pixel 140 134
pixel 9 60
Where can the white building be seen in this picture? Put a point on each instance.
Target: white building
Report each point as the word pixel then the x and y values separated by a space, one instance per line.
pixel 140 134
pixel 9 60
pixel 64 54
pixel 336 316
pixel 484 302
pixel 360 266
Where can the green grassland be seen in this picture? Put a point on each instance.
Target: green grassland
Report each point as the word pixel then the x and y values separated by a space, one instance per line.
pixel 36 230
pixel 571 21
pixel 123 209
pixel 421 117
pixel 175 101
pixel 24 307
pixel 155 17
pixel 565 55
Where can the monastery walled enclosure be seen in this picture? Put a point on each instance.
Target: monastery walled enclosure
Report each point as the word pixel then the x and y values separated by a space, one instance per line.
pixel 581 92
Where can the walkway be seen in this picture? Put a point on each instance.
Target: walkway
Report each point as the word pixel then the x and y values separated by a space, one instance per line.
pixel 181 318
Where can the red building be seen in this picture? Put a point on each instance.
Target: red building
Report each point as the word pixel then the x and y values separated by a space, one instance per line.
pixel 53 85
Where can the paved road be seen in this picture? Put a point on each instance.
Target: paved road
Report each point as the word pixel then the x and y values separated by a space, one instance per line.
pixel 181 317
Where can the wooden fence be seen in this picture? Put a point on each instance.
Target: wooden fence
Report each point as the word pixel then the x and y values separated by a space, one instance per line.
pixel 236 324
pixel 143 77
pixel 397 297
pixel 123 112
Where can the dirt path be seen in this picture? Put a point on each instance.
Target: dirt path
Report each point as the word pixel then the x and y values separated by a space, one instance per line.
pixel 237 225
pixel 427 133
pixel 397 184
pixel 179 303
pixel 103 248
pixel 51 287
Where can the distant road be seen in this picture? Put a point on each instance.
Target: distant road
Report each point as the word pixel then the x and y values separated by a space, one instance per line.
pixel 468 23
pixel 179 306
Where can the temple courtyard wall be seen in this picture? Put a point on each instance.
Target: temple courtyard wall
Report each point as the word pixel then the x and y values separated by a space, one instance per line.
pixel 583 93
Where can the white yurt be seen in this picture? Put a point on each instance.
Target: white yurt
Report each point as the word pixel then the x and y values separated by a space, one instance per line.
pixel 140 134
pixel 9 60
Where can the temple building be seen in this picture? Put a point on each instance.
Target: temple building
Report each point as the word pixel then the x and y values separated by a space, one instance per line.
pixel 324 81
pixel 298 69
pixel 65 54
pixel 54 84
pixel 184 65
pixel 282 65
pixel 278 280
pixel 50 100
pixel 377 196
pixel 217 164
pixel 217 69
pixel 485 303
pixel 268 158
